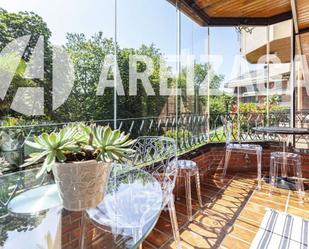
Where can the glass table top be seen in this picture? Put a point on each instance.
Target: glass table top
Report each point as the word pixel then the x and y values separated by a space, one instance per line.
pixel 31 214
pixel 35 201
pixel 282 130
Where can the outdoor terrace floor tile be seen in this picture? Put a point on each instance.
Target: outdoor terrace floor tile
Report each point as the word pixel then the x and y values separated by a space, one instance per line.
pixel 231 216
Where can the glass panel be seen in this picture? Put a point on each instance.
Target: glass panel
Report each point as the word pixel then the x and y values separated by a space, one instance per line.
pixel 265 92
pixel 301 88
pixel 147 46
pixel 302 73
pixel 253 93
pixel 281 83
pixel 82 38
pixel 57 75
pixel 193 101
pixel 223 67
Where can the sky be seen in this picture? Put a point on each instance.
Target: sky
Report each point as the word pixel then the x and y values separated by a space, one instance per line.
pixel 138 22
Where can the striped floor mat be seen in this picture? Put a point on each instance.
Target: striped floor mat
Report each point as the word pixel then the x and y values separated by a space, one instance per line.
pixel 282 231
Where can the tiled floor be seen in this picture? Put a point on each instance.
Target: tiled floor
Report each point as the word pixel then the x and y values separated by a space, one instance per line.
pixel 231 216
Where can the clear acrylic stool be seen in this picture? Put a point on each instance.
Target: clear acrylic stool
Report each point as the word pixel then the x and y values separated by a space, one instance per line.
pixel 247 149
pixel 254 149
pixel 186 169
pixel 286 161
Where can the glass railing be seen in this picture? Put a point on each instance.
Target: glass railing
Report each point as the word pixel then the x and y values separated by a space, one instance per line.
pixel 192 131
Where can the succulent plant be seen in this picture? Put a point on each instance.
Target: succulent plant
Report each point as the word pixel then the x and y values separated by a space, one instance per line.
pixel 79 142
pixel 111 145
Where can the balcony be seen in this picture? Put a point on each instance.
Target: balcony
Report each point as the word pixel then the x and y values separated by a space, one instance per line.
pixel 232 210
pixel 127 124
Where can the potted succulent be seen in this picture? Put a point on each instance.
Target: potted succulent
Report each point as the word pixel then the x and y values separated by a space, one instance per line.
pixel 80 157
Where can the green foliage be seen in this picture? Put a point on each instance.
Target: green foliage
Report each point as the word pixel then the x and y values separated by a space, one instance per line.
pixel 248 107
pixel 88 55
pixel 78 142
pixel 216 104
pixel 15 25
pixel 273 105
pixel 201 72
pixel 4 165
pixel 111 145
pixel 182 135
pixel 52 147
pixel 219 136
pixel 11 139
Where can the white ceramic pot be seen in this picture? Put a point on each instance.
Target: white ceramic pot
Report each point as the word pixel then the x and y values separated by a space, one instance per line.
pixel 81 185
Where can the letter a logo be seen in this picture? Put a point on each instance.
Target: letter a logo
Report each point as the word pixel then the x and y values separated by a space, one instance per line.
pixel 30 100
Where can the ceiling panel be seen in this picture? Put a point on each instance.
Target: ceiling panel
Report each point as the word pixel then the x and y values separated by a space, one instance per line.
pixel 302 7
pixel 244 8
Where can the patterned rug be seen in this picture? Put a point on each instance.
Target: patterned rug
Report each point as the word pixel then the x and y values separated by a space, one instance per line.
pixel 282 231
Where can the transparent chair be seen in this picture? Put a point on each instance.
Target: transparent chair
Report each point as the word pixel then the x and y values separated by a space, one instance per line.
pixel 154 155
pixel 254 149
pixel 187 169
pixel 286 161
pixel 158 156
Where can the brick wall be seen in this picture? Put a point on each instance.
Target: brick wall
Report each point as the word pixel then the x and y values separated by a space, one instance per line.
pixel 71 224
pixel 210 159
pixel 71 232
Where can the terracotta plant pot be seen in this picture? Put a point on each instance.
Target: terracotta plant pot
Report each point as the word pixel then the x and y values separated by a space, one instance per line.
pixel 81 185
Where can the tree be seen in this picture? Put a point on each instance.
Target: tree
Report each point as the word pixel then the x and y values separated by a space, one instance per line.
pixel 15 25
pixel 140 105
pixel 200 81
pixel 88 56
pixel 201 72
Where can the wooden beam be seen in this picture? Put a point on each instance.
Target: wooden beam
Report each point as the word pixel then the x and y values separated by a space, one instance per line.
pixel 302 31
pixel 197 10
pixel 280 18
pixel 187 10
pixel 297 43
pixel 250 21
pixel 295 25
pixel 295 18
pixel 235 21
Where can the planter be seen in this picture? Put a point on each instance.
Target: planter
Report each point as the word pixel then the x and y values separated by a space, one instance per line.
pixel 81 185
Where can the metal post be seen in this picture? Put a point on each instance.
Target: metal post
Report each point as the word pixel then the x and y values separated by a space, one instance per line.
pixel 115 66
pixel 238 88
pixel 178 9
pixel 208 84
pixel 293 78
pixel 267 80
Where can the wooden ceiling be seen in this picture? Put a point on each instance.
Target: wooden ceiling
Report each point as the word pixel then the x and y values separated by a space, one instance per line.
pixel 253 12
pixel 236 12
pixel 302 9
pixel 236 8
pixel 304 41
